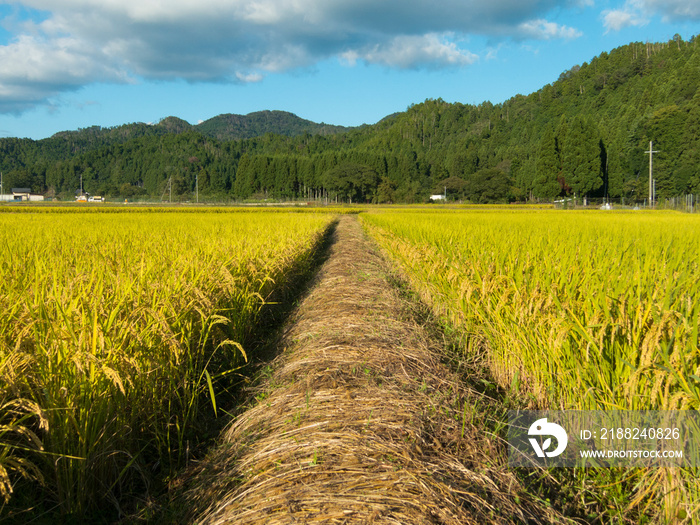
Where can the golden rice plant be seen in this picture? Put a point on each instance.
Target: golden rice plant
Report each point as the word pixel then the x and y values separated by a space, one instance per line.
pixel 19 418
pixel 565 300
pixel 571 310
pixel 116 330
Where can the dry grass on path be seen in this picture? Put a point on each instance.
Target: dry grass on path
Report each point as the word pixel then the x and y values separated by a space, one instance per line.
pixel 359 422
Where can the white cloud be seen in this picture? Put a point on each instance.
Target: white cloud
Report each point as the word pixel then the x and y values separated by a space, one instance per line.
pixel 430 51
pixel 544 30
pixel 670 10
pixel 77 42
pixel 640 12
pixel 34 69
pixel 617 19
pixel 249 78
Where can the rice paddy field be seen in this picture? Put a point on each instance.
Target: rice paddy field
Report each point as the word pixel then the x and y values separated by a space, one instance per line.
pixel 122 332
pixel 569 310
pixel 117 332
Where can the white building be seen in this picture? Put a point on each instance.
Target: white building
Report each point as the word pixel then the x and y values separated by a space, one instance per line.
pixel 21 195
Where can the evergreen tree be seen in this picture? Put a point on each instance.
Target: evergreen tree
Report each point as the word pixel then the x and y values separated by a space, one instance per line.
pixel 546 184
pixel 581 162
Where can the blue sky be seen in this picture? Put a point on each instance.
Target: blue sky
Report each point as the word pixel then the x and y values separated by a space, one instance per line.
pixel 66 64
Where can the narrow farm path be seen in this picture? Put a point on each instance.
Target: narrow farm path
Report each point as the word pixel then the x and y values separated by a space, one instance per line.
pixel 359 421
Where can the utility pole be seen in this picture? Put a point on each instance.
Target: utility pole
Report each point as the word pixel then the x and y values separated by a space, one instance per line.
pixel 651 172
pixel 197 184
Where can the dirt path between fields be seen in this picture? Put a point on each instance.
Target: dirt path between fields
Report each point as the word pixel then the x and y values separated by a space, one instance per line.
pixel 359 421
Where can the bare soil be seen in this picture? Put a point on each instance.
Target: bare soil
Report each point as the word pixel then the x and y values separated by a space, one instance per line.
pixel 359 420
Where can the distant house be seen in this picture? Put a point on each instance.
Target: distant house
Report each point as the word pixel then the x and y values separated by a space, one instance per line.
pixel 25 194
pixel 437 197
pixel 21 194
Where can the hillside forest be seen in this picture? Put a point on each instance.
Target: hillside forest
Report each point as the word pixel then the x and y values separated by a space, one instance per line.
pixel 584 135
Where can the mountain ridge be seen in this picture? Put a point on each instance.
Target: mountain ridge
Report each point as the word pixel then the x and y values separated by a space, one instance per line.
pixel 225 126
pixel 229 126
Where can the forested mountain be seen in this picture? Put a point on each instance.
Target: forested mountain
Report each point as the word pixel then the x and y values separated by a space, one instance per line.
pixel 63 145
pixel 232 127
pixel 585 135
